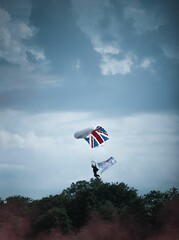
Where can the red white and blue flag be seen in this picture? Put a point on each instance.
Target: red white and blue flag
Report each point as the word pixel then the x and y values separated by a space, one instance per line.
pixel 97 137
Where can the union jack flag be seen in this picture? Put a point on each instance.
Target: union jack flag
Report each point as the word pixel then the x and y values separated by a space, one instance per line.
pixel 97 137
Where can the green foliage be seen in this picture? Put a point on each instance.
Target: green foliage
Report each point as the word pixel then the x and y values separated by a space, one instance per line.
pixel 73 208
pixel 53 218
pixel 107 210
pixel 18 205
pixel 173 193
pixel 153 201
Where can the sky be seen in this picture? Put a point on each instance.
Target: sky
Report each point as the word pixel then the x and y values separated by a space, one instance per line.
pixel 68 65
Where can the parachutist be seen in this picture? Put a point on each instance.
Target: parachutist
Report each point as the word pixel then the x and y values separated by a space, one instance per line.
pixel 96 137
pixel 95 170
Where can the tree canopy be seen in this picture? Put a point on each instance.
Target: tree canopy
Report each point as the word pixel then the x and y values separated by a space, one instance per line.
pixel 113 205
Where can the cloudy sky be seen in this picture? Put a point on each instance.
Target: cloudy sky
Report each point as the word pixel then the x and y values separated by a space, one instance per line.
pixel 66 65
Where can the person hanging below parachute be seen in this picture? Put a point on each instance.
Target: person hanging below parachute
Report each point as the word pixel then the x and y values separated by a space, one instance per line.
pixel 95 138
pixel 95 169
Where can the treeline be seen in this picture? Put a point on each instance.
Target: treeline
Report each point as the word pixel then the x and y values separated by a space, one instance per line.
pixel 95 209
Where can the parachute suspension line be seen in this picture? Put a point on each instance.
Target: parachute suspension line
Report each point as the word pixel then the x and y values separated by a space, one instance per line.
pixel 86 152
pixel 89 153
pixel 92 156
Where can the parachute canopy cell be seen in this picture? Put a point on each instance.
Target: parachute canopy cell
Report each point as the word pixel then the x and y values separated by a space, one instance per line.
pixel 95 137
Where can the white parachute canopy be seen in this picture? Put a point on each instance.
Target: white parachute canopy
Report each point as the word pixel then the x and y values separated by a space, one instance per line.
pixel 83 133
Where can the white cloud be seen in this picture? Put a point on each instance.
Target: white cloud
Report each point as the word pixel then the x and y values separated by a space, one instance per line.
pixel 103 50
pixel 27 63
pixel 143 20
pixel 90 13
pixel 111 66
pixel 145 147
pixel 170 51
pixel 10 140
pixel 12 46
pixel 38 54
pixel 77 64
pixel 147 62
pixel 110 62
pixel 14 77
pixel 21 30
pixel 42 131
pixel 4 17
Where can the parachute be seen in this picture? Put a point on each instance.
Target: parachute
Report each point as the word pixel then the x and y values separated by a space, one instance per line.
pixel 96 137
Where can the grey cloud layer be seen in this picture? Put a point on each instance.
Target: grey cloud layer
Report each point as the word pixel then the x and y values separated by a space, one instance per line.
pixel 42 148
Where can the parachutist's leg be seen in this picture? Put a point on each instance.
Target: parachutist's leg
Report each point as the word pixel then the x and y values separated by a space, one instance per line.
pixel 96 175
